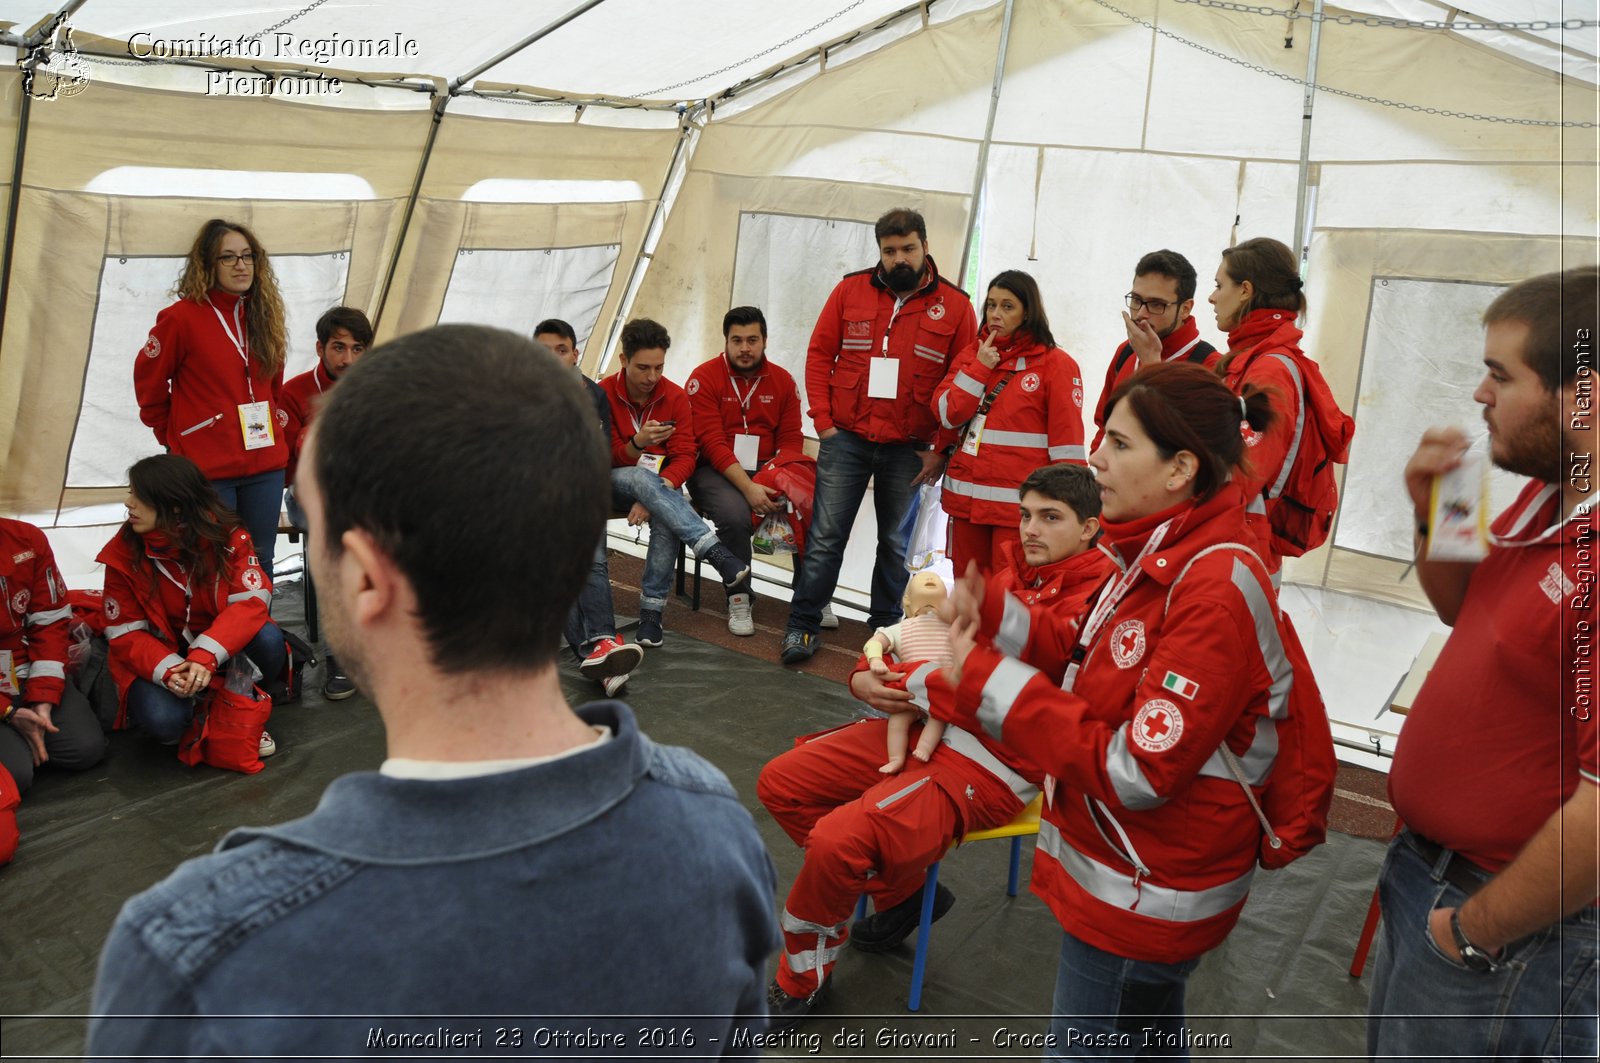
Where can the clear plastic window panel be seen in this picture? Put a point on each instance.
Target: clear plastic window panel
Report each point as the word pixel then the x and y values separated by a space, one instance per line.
pixel 517 289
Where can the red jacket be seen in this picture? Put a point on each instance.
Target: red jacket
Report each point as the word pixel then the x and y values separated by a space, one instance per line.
pixel 1037 419
pixel 1183 343
pixel 1264 332
pixel 934 324
pixel 34 615
pixel 190 381
pixel 1064 586
pixel 1148 846
pixel 156 621
pixel 300 397
pixel 669 402
pixel 766 405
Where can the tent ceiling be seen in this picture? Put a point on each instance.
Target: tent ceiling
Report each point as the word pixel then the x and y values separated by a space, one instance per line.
pixel 682 50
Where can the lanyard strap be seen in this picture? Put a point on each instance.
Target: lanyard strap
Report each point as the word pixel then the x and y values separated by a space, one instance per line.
pixel 641 416
pixel 188 594
pixel 745 400
pixel 241 343
pixel 1106 605
pixel 898 303
pixel 988 400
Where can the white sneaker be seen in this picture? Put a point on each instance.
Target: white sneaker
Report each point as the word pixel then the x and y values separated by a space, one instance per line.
pixel 268 746
pixel 614 683
pixel 740 622
pixel 829 621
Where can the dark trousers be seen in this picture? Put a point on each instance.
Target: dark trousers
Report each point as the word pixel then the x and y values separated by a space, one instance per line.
pixel 79 743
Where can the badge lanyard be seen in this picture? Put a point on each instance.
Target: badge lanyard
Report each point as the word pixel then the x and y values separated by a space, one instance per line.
pixel 641 416
pixel 243 347
pixel 1108 601
pixel 895 313
pixel 745 400
pixel 185 587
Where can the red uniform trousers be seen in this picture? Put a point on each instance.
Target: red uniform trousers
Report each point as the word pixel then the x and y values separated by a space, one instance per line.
pixel 983 543
pixel 865 832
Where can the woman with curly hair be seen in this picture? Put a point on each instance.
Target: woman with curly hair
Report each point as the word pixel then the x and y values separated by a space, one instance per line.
pixel 209 376
pixel 184 594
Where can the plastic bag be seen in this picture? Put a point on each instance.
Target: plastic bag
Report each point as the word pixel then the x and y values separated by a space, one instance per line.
pixel 78 648
pixel 775 536
pixel 925 527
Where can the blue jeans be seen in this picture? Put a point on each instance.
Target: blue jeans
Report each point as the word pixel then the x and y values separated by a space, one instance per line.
pixel 845 462
pixel 672 521
pixel 164 716
pixel 257 500
pixel 1110 1007
pixel 590 619
pixel 1539 1005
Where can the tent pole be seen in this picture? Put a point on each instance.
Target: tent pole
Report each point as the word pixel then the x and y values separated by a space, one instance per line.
pixel 677 170
pixel 988 134
pixel 411 208
pixel 14 200
pixel 1301 244
pixel 515 48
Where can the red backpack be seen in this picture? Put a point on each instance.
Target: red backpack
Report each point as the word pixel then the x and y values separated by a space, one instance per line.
pixel 1302 500
pixel 1294 801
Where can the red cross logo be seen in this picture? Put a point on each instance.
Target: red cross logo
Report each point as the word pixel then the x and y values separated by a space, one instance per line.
pixel 1127 643
pixel 1156 725
pixel 1130 642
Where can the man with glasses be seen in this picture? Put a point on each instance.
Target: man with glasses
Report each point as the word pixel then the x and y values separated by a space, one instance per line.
pixel 1160 327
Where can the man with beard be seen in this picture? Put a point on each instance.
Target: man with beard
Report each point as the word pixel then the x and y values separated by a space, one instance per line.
pixel 1159 323
pixel 1488 894
pixel 746 412
pixel 880 347
pixel 509 844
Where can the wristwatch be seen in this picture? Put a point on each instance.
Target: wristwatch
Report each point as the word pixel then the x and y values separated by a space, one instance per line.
pixel 1471 955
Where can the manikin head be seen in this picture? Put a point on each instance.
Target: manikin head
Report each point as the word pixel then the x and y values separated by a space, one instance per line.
pixel 925 593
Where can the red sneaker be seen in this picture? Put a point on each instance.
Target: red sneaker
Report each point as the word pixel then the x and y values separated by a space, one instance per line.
pixel 610 658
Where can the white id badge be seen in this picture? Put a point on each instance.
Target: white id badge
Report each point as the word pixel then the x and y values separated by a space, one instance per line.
pixel 974 436
pixel 255 421
pixel 746 451
pixel 652 462
pixel 884 379
pixel 8 676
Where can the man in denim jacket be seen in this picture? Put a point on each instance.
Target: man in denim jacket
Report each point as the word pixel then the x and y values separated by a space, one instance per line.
pixel 549 872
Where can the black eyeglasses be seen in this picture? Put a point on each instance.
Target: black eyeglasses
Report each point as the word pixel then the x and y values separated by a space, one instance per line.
pixel 1157 307
pixel 228 258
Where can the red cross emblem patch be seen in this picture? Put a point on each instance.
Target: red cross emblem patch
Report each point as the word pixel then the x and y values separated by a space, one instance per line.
pixel 1127 643
pixel 1157 727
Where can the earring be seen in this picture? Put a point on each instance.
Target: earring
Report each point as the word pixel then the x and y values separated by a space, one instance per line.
pixel 1172 485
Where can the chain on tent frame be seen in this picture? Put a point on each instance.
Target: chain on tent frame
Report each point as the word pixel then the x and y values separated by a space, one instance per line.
pixel 159 61
pixel 1393 23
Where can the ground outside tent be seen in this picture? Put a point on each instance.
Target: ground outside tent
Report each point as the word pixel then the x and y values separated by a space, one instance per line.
pixel 1278 988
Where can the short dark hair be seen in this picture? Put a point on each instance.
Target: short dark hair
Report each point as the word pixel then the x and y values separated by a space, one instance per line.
pixel 1034 320
pixel 642 334
pixel 554 326
pixel 348 318
pixel 472 464
pixel 1170 264
pixel 1272 271
pixel 1072 484
pixel 1561 312
pixel 1185 406
pixel 744 315
pixel 902 221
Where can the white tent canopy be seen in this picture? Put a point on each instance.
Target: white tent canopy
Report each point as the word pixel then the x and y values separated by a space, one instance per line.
pixel 594 160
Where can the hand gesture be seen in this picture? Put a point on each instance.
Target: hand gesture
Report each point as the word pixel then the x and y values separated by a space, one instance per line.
pixel 987 355
pixel 762 500
pixel 652 433
pixel 638 515
pixel 32 722
pixel 1143 339
pixel 1439 451
pixel 875 691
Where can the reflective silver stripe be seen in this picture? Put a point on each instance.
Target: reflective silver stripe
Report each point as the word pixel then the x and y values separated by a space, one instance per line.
pixel 1267 639
pixel 1015 625
pixel 944 411
pixel 979 491
pixel 1257 760
pixel 917 685
pixel 245 596
pixel 50 617
pixel 1022 363
pixel 1120 890
pixel 206 642
pixel 169 662
pixel 966 743
pixel 906 792
pixel 1257 506
pixel 1000 692
pixel 1075 452
pixel 814 960
pixel 1299 427
pixel 793 924
pixel 969 384
pixel 927 352
pixel 46 670
pixel 998 438
pixel 116 631
pixel 1133 789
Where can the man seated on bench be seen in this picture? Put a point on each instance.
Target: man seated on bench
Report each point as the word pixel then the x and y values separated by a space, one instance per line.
pixel 652 452
pixel 343 335
pixel 591 628
pixel 977 782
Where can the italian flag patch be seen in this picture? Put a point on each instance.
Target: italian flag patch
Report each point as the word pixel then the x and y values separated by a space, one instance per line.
pixel 1183 686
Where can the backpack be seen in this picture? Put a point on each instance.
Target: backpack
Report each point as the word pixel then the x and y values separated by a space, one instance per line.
pixel 1197 354
pixel 1302 500
pixel 1294 802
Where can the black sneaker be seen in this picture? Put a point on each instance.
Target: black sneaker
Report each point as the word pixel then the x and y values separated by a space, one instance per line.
pixel 882 931
pixel 649 633
pixel 797 646
pixel 783 1011
pixel 336 686
pixel 730 568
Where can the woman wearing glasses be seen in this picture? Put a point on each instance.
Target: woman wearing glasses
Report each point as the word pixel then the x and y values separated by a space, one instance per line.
pixel 1015 400
pixel 210 373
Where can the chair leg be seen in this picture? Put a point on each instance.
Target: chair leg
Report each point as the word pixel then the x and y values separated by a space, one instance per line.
pixel 919 966
pixel 695 602
pixel 681 569
pixel 1369 930
pixel 311 608
pixel 1016 866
